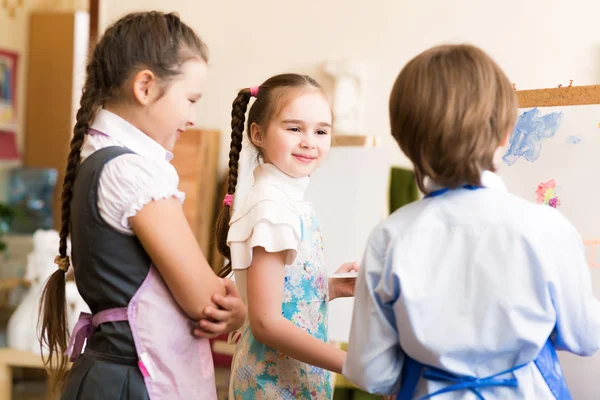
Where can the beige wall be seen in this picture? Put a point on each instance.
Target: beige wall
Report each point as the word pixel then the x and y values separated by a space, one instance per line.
pixel 539 43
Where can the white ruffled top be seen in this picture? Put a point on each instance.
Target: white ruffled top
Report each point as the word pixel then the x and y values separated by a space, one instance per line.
pixel 129 182
pixel 268 217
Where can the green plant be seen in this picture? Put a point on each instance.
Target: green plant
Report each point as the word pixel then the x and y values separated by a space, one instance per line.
pixel 7 215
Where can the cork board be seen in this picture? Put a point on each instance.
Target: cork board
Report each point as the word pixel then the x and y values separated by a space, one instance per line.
pixel 556 97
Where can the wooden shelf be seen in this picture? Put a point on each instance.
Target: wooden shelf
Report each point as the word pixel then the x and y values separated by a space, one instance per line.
pixel 11 358
pixel 20 359
pixel 355 141
pixel 13 283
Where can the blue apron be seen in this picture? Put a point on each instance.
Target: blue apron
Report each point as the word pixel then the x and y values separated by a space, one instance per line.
pixel 547 363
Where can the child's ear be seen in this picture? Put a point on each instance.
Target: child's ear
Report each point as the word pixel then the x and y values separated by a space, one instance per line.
pixel 144 86
pixel 256 135
pixel 505 140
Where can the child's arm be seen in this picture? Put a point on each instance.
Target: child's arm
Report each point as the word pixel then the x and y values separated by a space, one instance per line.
pixel 230 315
pixel 265 295
pixel 577 309
pixel 375 358
pixel 343 287
pixel 166 236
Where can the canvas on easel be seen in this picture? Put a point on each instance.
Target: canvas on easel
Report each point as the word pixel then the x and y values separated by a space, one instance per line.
pixel 552 158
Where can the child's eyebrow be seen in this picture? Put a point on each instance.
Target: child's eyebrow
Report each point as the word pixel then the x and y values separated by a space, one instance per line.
pixel 299 121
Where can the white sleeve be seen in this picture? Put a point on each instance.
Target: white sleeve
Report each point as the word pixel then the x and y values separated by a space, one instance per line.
pixel 128 183
pixel 267 224
pixel 577 309
pixel 375 358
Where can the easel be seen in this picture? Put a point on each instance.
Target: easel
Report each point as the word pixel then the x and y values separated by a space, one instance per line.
pixel 563 97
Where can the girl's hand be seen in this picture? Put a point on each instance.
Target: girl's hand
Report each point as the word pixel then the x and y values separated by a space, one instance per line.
pixel 343 287
pixel 229 317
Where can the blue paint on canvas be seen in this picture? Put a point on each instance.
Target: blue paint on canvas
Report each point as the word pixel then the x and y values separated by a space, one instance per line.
pixel 574 139
pixel 531 129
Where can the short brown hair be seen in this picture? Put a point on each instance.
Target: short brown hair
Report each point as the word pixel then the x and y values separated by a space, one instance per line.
pixel 450 109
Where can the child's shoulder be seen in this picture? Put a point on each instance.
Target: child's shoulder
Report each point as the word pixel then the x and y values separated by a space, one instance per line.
pixel 268 199
pixel 541 218
pixel 132 166
pixel 486 209
pixel 266 215
pixel 139 176
pixel 261 192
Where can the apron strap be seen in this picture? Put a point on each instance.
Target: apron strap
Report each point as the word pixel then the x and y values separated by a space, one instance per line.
pixel 87 324
pixel 547 363
pixel 463 382
pixel 413 370
pixel 411 374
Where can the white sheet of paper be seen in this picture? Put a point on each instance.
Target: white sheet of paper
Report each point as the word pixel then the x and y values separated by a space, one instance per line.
pixel 345 275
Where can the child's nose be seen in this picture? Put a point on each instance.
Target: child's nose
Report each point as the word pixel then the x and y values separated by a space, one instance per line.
pixel 308 142
pixel 192 119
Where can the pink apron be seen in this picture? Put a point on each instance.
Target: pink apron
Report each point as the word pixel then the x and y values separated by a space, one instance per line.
pixel 175 364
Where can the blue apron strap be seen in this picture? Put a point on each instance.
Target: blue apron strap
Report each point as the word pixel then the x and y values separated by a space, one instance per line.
pixel 440 192
pixel 412 371
pixel 548 364
pixel 411 374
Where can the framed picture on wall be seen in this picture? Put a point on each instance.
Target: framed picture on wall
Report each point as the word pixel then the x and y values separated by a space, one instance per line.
pixel 8 87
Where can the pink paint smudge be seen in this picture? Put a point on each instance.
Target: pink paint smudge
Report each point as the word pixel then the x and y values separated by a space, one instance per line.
pixel 546 193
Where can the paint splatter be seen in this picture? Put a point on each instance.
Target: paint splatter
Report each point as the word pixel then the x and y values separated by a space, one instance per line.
pixel 590 247
pixel 530 130
pixel 573 139
pixel 547 193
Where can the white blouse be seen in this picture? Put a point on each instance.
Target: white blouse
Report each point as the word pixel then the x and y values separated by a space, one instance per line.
pixel 129 182
pixel 268 217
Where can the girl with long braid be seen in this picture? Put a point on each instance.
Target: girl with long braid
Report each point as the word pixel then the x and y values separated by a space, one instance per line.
pixel 136 261
pixel 273 240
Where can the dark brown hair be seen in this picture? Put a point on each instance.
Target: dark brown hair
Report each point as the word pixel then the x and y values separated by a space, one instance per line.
pixel 148 40
pixel 271 98
pixel 450 109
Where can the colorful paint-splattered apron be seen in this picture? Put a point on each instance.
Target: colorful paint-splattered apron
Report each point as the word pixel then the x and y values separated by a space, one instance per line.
pixel 260 372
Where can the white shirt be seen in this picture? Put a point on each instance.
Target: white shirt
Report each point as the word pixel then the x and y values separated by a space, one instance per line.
pixel 130 181
pixel 268 217
pixel 472 282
